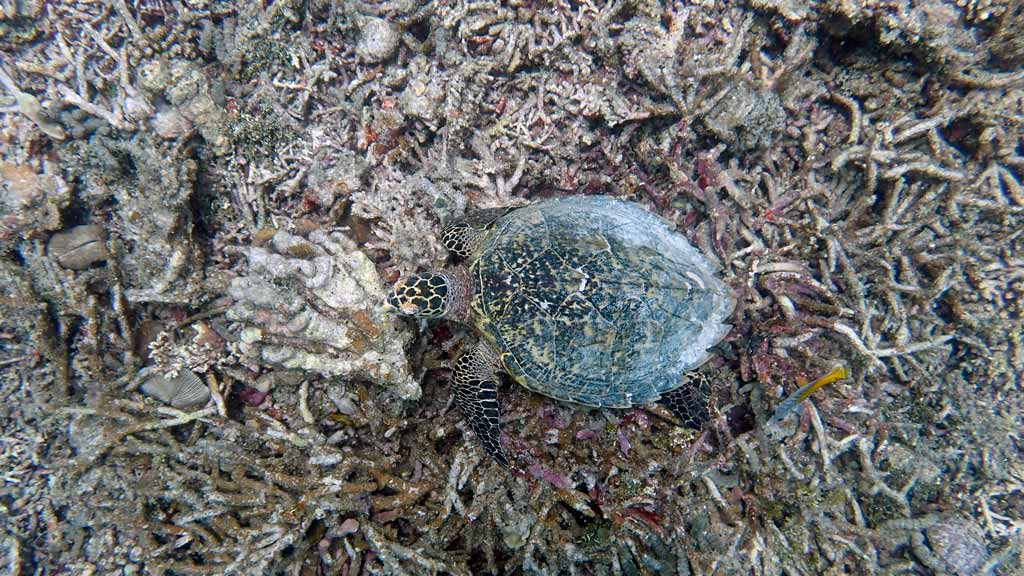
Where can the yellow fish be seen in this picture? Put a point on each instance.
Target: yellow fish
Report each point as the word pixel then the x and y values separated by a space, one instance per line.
pixel 803 393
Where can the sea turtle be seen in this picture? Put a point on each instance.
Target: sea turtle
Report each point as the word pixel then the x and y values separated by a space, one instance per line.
pixel 587 299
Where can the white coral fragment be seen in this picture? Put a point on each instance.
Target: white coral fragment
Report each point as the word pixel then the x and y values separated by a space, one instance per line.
pixel 317 305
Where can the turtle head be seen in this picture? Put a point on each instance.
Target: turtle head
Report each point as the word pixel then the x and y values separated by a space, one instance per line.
pixel 426 295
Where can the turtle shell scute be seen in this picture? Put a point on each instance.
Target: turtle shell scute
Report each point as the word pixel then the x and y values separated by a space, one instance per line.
pixel 596 301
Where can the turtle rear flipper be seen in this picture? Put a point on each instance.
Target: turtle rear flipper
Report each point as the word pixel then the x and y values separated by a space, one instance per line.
pixel 690 402
pixel 475 384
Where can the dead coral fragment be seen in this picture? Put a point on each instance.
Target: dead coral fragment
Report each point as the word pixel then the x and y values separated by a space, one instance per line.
pixel 945 544
pixel 184 390
pixel 29 105
pixel 30 201
pixel 189 92
pixel 205 350
pixel 930 29
pixel 747 119
pixel 79 247
pixel 981 10
pixel 957 547
pixel 321 312
pixel 402 221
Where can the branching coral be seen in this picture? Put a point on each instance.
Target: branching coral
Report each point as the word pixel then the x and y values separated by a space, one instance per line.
pixel 855 169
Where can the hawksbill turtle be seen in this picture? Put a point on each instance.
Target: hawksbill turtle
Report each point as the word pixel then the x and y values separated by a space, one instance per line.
pixel 586 299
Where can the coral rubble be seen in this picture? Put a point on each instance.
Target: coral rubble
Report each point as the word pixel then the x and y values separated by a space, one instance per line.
pixel 201 203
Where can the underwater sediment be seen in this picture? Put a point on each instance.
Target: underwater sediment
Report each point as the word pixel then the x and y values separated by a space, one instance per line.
pixel 203 203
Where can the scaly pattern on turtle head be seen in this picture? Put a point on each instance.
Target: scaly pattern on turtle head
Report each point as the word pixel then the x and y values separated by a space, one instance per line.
pixel 421 296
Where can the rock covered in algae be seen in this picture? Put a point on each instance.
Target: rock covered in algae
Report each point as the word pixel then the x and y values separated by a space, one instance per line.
pixel 747 119
pixel 145 187
pixel 184 96
pixel 957 546
pixel 31 200
pixel 378 40
pixel 316 304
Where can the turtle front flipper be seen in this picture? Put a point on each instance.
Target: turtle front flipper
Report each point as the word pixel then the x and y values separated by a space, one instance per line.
pixel 475 383
pixel 462 236
pixel 690 402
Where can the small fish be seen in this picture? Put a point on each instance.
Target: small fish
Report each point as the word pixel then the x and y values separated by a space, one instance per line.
pixel 803 393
